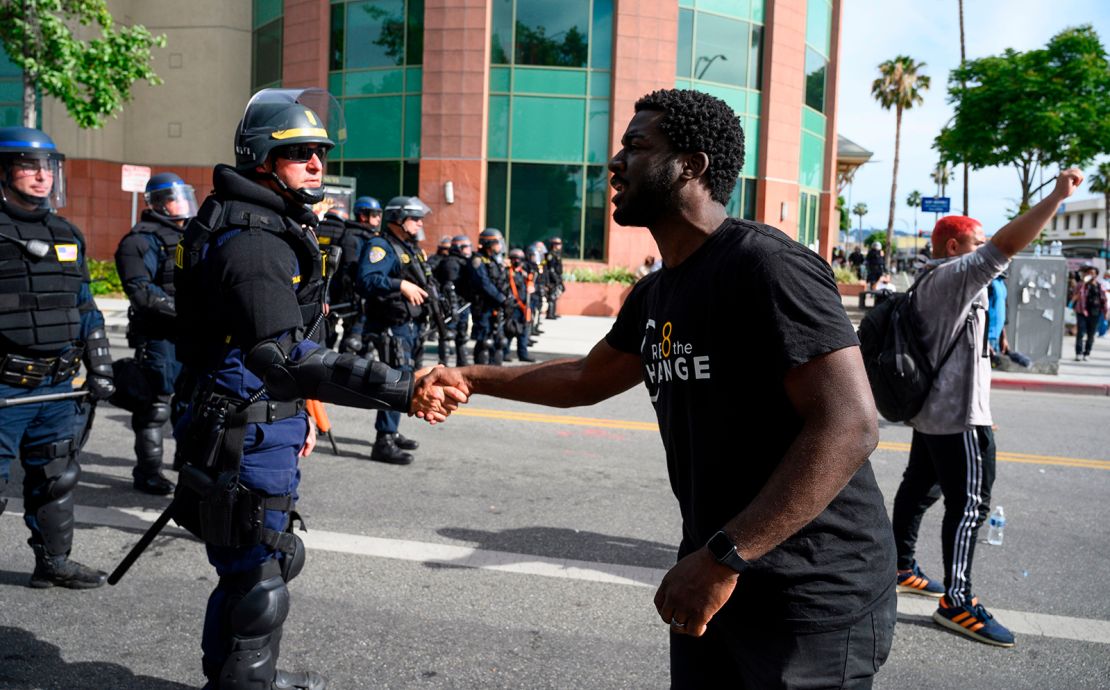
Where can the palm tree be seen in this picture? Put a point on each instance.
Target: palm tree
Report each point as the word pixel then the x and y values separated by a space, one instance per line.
pixel 942 176
pixel 1100 184
pixel 900 86
pixel 914 202
pixel 860 210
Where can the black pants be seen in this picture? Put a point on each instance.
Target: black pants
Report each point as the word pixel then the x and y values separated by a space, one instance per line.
pixel 1086 325
pixel 961 468
pixel 749 654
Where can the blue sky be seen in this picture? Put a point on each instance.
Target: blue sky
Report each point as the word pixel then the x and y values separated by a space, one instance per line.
pixel 877 30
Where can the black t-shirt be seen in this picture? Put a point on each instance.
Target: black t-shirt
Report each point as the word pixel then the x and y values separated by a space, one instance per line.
pixel 717 335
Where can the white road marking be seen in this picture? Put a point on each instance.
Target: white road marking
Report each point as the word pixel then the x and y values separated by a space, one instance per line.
pixel 1020 622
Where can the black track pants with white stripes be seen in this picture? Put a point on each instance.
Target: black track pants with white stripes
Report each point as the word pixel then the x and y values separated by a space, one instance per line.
pixel 961 468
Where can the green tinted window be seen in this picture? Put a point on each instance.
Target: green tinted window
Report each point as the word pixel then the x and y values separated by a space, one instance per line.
pixel 412 127
pixel 414 79
pixel 373 127
pixel 335 55
pixel 819 25
pixel 598 144
pixel 755 59
pixel 812 163
pixel 597 214
pixel 379 179
pixel 410 178
pixel 751 145
pixel 266 11
pixel 498 146
pixel 365 83
pixel 11 91
pixel 815 80
pixel 555 81
pixel 552 33
pixel 375 33
pixel 548 129
pixel 414 39
pixel 685 43
pixel 266 55
pixel 601 38
pixel 546 200
pixel 335 84
pixel 733 8
pixel 499 79
pixel 501 32
pixel 721 50
pixel 813 121
pixel 497 186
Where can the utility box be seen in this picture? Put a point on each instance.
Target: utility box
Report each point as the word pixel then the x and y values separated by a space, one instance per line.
pixel 1035 306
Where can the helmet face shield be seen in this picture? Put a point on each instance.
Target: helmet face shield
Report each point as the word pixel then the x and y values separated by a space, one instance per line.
pixel 175 200
pixel 37 177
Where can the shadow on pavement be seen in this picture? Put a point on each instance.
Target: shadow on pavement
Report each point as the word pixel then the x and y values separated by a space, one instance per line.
pixel 28 663
pixel 558 542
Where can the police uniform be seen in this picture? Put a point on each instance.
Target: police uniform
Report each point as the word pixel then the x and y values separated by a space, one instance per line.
pixel 332 231
pixel 388 260
pixel 553 269
pixel 354 239
pixel 452 275
pixel 249 295
pixel 48 323
pixel 519 316
pixel 489 287
pixel 144 261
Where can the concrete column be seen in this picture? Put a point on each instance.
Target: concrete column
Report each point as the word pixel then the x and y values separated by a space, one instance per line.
pixel 454 115
pixel 784 41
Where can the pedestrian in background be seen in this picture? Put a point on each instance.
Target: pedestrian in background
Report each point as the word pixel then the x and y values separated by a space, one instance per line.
pixel 953 450
pixel 875 265
pixel 1089 302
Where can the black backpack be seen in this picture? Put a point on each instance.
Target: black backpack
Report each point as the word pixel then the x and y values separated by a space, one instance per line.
pixel 896 361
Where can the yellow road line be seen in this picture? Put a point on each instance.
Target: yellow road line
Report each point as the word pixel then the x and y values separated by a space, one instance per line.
pixel 629 425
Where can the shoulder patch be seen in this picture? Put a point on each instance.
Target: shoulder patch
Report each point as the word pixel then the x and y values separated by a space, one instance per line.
pixel 376 254
pixel 66 252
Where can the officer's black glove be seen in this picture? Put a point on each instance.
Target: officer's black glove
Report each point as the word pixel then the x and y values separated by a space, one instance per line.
pixel 100 387
pixel 509 303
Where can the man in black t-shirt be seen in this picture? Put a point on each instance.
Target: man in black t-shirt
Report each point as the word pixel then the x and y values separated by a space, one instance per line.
pixel 783 570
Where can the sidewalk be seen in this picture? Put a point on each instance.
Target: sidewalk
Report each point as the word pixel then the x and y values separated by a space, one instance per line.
pixel 574 336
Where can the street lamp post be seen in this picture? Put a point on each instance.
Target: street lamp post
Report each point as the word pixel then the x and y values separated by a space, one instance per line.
pixel 708 62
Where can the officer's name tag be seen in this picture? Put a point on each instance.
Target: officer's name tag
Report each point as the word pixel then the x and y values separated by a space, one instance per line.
pixel 323 240
pixel 376 254
pixel 66 252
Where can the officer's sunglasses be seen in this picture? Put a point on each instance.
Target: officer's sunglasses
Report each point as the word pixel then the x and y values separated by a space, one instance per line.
pixel 302 153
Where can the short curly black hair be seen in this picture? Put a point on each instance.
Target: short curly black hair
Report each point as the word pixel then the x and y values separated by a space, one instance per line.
pixel 695 121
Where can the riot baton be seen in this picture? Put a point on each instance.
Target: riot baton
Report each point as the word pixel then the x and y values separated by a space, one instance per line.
pixel 48 397
pixel 137 549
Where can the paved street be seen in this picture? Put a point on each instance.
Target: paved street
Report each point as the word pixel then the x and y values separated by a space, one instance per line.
pixel 522 550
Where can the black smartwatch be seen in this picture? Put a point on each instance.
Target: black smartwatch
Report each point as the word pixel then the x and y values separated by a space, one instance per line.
pixel 724 551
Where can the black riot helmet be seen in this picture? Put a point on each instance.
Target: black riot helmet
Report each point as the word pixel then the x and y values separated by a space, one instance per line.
pixel 26 152
pixel 487 237
pixel 461 244
pixel 516 255
pixel 401 208
pixel 284 121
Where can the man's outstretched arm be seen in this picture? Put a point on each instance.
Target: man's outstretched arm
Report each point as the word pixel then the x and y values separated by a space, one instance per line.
pixel 601 374
pixel 839 431
pixel 1019 232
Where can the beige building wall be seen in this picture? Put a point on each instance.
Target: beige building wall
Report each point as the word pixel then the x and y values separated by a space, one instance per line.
pixel 191 118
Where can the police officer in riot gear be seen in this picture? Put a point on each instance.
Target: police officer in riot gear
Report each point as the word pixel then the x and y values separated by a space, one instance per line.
pixel 367 223
pixel 533 264
pixel 249 298
pixel 443 248
pixel 392 281
pixel 519 317
pixel 144 260
pixel 452 274
pixel 490 289
pixel 553 269
pixel 48 324
pixel 335 230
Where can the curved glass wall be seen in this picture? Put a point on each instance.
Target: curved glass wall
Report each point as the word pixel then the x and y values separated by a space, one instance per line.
pixel 549 122
pixel 266 39
pixel 720 52
pixel 811 172
pixel 375 56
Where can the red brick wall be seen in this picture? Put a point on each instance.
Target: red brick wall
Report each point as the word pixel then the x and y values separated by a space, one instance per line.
pixel 96 204
pixel 304 47
pixel 454 115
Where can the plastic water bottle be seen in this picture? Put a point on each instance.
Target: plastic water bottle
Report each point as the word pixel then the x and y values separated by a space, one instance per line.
pixel 997 523
pixel 1037 250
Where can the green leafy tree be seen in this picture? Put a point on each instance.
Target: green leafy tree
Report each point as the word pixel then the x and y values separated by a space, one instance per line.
pixel 1043 107
pixel 92 77
pixel 841 207
pixel 914 202
pixel 1099 183
pixel 535 47
pixel 900 86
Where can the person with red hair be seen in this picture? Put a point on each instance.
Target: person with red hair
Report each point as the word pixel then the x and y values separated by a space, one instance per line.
pixel 953 451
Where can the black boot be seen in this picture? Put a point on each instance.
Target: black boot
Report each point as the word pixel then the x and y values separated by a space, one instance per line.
pixel 299 680
pixel 386 450
pixel 405 443
pixel 148 425
pixel 460 356
pixel 61 571
pixel 155 485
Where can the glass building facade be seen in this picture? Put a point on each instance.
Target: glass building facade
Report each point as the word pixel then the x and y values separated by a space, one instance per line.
pixel 557 79
pixel 720 52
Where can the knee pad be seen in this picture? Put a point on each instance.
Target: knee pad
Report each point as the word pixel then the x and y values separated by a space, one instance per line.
pixel 293 563
pixel 54 478
pixel 262 610
pixel 154 415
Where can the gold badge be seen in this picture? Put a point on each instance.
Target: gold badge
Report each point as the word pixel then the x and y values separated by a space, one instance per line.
pixel 376 254
pixel 405 258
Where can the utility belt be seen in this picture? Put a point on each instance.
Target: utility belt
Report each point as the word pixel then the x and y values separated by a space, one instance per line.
pixel 32 372
pixel 218 508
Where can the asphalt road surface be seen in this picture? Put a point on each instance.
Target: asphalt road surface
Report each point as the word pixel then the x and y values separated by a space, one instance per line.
pixel 522 549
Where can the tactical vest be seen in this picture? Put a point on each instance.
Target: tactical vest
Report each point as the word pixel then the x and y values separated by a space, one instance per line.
pixel 393 309
pixel 167 242
pixel 330 231
pixel 38 296
pixel 497 275
pixel 197 334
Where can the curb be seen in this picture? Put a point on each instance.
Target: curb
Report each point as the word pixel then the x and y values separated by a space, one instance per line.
pixel 1068 387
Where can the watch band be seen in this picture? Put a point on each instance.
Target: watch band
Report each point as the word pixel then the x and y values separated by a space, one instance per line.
pixel 724 551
